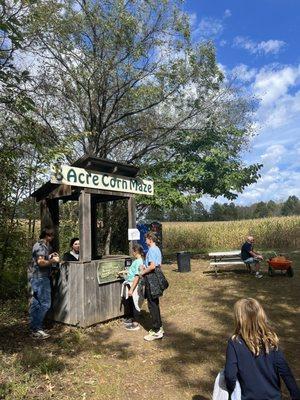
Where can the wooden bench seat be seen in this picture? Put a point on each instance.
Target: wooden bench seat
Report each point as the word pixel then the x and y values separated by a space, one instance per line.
pixel 226 258
pixel 227 263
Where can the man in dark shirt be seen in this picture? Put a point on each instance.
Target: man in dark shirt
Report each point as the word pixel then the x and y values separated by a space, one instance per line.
pixel 249 256
pixel 40 283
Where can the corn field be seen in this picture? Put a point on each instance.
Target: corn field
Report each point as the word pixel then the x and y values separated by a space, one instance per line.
pixel 269 233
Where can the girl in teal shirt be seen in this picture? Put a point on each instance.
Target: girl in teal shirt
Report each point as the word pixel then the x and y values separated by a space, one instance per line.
pixel 133 273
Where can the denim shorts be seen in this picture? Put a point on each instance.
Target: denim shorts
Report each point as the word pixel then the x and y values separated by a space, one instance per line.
pixel 251 260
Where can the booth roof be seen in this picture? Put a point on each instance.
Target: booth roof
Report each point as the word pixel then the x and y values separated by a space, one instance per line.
pixel 92 164
pixel 105 165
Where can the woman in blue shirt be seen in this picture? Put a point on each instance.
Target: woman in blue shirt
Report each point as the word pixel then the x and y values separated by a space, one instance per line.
pixel 253 357
pixel 153 260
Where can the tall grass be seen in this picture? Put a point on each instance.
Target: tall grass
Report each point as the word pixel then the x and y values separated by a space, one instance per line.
pixel 269 233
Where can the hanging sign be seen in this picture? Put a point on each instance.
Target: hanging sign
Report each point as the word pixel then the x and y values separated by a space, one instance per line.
pixel 68 175
pixel 133 234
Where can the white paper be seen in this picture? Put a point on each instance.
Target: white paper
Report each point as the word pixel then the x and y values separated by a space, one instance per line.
pixel 133 234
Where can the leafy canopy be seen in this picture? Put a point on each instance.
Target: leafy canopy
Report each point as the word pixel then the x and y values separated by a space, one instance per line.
pixel 125 81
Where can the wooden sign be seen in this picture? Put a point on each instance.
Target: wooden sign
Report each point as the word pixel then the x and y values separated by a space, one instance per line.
pixel 68 175
pixel 107 270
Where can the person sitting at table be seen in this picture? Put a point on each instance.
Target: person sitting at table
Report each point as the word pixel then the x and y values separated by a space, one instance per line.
pixel 249 256
pixel 73 254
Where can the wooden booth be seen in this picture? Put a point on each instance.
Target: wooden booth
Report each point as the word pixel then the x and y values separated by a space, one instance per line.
pixel 88 291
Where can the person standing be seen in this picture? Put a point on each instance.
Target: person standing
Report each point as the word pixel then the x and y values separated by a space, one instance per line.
pixel 153 260
pixel 131 303
pixel 73 254
pixel 42 261
pixel 250 257
pixel 253 357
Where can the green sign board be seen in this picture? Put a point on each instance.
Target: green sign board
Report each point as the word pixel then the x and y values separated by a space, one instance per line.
pixel 107 270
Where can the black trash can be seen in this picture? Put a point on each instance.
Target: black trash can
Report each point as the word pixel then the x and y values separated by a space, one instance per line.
pixel 184 261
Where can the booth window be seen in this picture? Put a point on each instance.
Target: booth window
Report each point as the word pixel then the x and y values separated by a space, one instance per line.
pixel 109 235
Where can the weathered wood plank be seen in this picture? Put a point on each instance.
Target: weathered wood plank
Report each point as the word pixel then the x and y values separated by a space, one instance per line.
pixel 102 302
pixel 61 295
pixel 131 219
pixel 85 226
pixel 49 210
pixel 108 193
pixel 227 263
pixel 61 191
pixel 94 226
pixel 79 300
pixel 76 289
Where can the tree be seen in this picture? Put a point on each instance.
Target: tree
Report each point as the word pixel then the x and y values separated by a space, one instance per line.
pixel 291 206
pixel 122 80
pixel 125 78
pixel 216 212
pixel 200 213
pixel 261 210
pixel 153 214
pixel 24 147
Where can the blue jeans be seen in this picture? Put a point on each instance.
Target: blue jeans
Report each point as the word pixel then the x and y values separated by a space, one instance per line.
pixel 40 302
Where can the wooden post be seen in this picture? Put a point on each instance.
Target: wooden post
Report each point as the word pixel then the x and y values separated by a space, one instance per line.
pixel 131 219
pixel 85 226
pixel 50 219
pixel 94 238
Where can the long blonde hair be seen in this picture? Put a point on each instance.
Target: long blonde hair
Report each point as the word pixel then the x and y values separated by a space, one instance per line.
pixel 251 324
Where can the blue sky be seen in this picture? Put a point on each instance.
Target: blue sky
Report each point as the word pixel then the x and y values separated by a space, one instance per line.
pixel 258 44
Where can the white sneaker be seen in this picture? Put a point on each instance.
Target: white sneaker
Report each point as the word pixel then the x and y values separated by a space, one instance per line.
pixel 40 334
pixel 153 335
pixel 258 275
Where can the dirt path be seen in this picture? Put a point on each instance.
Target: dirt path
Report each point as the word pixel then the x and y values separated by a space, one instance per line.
pixel 108 362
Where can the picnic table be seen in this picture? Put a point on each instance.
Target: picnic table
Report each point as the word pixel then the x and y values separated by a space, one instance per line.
pixel 224 258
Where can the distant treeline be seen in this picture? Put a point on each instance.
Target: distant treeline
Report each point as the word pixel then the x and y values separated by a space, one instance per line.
pixel 227 211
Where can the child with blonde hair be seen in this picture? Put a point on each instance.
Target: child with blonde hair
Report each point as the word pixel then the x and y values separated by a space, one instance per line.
pixel 253 357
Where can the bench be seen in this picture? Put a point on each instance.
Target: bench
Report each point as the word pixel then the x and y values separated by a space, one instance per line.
pixel 225 258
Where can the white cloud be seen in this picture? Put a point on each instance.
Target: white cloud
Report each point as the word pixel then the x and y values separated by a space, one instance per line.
pixel 193 19
pixel 273 156
pixel 283 111
pixel 277 146
pixel 265 47
pixel 277 87
pixel 275 185
pixel 244 73
pixel 279 93
pixel 271 83
pixel 223 68
pixel 279 176
pixel 271 46
pixel 209 28
pixel 227 13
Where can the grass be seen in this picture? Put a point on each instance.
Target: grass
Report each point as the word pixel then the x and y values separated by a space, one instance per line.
pixel 276 232
pixel 106 362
